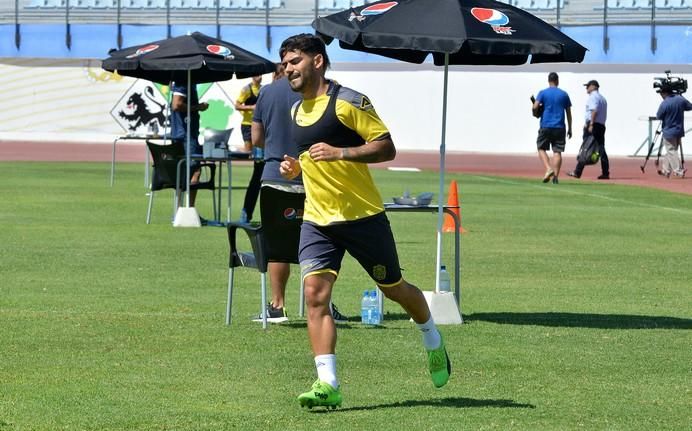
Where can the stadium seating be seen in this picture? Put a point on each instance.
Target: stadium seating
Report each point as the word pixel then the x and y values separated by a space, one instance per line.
pixel 174 4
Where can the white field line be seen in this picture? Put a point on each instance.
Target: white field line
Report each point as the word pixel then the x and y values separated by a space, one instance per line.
pixel 592 195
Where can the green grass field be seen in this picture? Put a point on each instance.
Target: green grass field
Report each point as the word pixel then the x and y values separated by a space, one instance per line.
pixel 577 301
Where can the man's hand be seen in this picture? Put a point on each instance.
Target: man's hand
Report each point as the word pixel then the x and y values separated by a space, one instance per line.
pixel 202 106
pixel 569 133
pixel 289 167
pixel 322 152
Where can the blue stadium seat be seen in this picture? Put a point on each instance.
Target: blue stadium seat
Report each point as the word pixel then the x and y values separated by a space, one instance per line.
pixel 255 4
pixel 237 4
pixel 53 3
pixel 273 4
pixel 179 4
pixel 661 4
pixel 134 4
pixel 524 4
pixel 204 4
pixel 342 4
pixel 325 4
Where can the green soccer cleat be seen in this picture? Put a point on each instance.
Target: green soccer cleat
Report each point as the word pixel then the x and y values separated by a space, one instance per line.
pixel 321 394
pixel 439 365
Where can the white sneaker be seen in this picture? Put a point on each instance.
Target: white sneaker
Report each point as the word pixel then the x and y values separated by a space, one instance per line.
pixel 680 172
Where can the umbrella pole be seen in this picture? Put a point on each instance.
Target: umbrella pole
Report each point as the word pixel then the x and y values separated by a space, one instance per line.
pixel 440 196
pixel 187 141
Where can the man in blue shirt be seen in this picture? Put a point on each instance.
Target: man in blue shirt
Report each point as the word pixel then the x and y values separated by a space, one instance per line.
pixel 179 126
pixel 671 113
pixel 556 104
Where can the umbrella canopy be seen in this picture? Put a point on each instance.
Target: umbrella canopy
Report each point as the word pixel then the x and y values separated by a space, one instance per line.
pixel 206 58
pixel 193 59
pixel 463 32
pixel 473 32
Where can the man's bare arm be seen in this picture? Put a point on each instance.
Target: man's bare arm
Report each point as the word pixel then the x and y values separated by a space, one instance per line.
pixel 381 150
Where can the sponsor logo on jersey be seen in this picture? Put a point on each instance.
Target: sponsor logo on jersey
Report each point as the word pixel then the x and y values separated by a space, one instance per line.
pixel 292 213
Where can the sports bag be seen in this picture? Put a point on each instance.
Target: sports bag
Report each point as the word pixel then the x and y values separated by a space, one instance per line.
pixel 588 153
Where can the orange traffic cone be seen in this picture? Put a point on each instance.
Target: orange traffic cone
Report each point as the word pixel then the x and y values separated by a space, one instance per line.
pixel 453 201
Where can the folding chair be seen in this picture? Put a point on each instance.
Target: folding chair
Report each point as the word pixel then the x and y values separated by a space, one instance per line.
pixel 166 158
pixel 255 259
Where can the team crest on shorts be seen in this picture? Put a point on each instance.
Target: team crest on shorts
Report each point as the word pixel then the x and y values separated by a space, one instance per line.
pixel 379 272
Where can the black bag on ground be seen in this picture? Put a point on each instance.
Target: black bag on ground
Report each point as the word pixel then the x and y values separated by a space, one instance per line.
pixel 588 153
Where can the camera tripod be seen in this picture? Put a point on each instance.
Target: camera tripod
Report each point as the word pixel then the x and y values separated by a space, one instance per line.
pixel 652 144
pixel 651 148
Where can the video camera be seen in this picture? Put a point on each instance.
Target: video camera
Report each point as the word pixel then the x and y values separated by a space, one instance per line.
pixel 670 84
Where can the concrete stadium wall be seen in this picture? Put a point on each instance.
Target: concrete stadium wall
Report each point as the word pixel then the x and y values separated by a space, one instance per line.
pixel 488 107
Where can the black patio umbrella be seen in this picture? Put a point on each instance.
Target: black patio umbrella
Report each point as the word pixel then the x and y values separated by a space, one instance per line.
pixel 206 58
pixel 458 32
pixel 194 58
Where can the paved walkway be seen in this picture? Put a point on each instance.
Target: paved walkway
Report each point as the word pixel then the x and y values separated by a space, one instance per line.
pixel 624 170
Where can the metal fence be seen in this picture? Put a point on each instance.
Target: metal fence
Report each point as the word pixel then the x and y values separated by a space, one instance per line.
pixel 301 12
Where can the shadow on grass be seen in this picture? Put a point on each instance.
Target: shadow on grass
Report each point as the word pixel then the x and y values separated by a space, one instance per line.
pixel 583 320
pixel 452 402
pixel 353 322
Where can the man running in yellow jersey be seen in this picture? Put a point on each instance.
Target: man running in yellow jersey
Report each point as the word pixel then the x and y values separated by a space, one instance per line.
pixel 338 132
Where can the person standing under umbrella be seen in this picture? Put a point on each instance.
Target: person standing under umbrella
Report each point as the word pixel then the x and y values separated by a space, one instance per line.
pixel 338 133
pixel 179 127
pixel 246 105
pixel 556 106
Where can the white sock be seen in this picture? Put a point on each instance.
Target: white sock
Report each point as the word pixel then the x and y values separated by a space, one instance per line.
pixel 431 336
pixel 326 369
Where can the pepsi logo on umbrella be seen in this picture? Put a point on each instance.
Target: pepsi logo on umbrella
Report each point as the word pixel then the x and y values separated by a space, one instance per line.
pixel 143 50
pixel 376 9
pixel 493 17
pixel 219 50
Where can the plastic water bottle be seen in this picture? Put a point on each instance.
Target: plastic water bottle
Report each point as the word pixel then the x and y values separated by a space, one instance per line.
pixel 374 308
pixel 365 308
pixel 445 285
pixel 258 153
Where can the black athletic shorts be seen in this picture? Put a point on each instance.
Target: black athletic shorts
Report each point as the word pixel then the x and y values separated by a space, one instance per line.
pixel 282 215
pixel 369 241
pixel 554 137
pixel 246 131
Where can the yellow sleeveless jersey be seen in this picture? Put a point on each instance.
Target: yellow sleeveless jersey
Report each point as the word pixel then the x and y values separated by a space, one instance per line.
pixel 338 191
pixel 249 94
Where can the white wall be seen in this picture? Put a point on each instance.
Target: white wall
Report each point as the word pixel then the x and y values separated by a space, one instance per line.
pixel 488 108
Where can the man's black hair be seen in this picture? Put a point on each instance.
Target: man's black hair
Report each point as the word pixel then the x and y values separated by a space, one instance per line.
pixel 307 43
pixel 552 77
